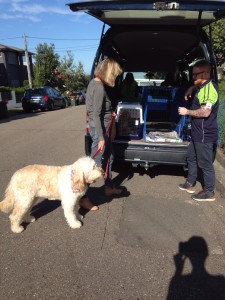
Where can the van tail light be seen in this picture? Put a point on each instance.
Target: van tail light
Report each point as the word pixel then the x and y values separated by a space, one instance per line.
pixel 45 98
pixel 87 125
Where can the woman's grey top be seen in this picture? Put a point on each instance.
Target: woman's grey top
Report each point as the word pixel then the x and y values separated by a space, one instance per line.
pixel 99 107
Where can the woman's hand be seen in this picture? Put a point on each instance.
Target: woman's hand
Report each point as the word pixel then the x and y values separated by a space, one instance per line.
pixel 101 145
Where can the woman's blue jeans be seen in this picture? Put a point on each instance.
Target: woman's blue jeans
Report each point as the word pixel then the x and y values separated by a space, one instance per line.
pixel 201 155
pixel 103 159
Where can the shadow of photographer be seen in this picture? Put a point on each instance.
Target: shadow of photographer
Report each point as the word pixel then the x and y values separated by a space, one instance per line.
pixel 199 284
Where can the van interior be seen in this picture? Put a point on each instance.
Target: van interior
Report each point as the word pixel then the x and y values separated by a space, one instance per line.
pixel 150 52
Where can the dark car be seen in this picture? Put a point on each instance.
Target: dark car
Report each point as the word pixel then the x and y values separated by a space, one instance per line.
pixel 42 98
pixel 78 96
pixel 153 37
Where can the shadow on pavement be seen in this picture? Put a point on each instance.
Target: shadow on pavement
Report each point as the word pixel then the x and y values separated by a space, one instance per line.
pixel 97 197
pixel 18 114
pixel 126 171
pixel 45 207
pixel 199 284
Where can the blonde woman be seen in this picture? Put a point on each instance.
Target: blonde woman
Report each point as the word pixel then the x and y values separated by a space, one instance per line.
pixel 99 109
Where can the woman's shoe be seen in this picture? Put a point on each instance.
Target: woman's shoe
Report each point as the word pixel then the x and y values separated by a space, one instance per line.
pixel 110 191
pixel 86 203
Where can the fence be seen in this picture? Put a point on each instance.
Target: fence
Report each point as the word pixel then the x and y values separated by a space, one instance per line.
pixel 12 98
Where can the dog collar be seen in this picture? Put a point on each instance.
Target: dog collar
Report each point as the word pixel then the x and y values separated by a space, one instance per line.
pixel 74 190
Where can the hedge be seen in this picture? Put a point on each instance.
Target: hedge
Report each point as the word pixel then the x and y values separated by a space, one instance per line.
pixel 6 93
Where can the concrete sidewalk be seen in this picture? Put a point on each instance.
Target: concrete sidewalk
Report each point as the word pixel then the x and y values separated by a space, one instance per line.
pixel 219 165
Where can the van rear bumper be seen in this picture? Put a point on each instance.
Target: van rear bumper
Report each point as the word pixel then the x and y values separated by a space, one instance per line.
pixel 141 153
pixel 146 154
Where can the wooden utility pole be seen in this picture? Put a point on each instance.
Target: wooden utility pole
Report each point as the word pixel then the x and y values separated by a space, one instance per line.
pixel 28 62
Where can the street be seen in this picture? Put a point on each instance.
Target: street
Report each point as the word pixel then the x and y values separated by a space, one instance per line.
pixel 153 242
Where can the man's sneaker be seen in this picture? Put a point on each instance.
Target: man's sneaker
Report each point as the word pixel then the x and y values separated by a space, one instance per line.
pixel 187 187
pixel 204 196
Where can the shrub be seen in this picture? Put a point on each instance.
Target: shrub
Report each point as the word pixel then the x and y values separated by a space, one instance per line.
pixel 5 89
pixel 221 115
pixel 6 93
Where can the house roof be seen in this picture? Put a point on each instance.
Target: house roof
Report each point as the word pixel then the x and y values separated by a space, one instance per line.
pixel 14 49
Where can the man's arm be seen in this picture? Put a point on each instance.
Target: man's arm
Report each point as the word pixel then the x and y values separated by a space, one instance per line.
pixel 189 92
pixel 203 112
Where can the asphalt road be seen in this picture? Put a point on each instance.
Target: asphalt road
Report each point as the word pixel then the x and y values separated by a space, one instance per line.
pixel 153 242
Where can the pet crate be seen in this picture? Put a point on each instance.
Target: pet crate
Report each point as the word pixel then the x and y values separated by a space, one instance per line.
pixel 129 120
pixel 162 122
pixel 158 98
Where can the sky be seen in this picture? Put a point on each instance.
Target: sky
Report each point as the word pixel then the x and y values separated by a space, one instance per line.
pixel 51 22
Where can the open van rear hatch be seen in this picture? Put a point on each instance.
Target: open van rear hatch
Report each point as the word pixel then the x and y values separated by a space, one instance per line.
pixel 164 18
pixel 191 13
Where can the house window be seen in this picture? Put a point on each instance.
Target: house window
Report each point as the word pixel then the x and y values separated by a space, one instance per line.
pixel 15 83
pixel 12 58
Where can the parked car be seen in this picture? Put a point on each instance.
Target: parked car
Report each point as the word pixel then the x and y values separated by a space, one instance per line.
pixel 153 37
pixel 42 98
pixel 78 96
pixel 68 100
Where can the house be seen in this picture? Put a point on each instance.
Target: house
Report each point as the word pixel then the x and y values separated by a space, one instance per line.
pixel 13 67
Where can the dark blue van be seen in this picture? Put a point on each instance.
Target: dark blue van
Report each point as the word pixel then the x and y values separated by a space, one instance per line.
pixel 150 37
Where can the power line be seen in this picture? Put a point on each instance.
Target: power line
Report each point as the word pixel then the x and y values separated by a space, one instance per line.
pixel 74 48
pixel 83 48
pixel 45 38
pixel 12 38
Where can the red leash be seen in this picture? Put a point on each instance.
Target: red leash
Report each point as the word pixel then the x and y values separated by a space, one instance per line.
pixel 108 131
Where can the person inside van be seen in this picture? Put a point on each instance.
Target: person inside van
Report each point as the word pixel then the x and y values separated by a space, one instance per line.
pixel 169 80
pixel 129 88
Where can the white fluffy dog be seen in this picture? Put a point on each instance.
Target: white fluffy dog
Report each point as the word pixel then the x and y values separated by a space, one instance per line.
pixel 66 183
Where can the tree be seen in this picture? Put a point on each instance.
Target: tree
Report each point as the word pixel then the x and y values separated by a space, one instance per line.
pixel 46 62
pixel 74 77
pixel 218 40
pixel 157 75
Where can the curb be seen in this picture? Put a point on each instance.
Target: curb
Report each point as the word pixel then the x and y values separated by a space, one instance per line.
pixel 219 165
pixel 220 157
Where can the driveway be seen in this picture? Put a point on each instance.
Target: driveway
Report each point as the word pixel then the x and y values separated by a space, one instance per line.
pixel 153 242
